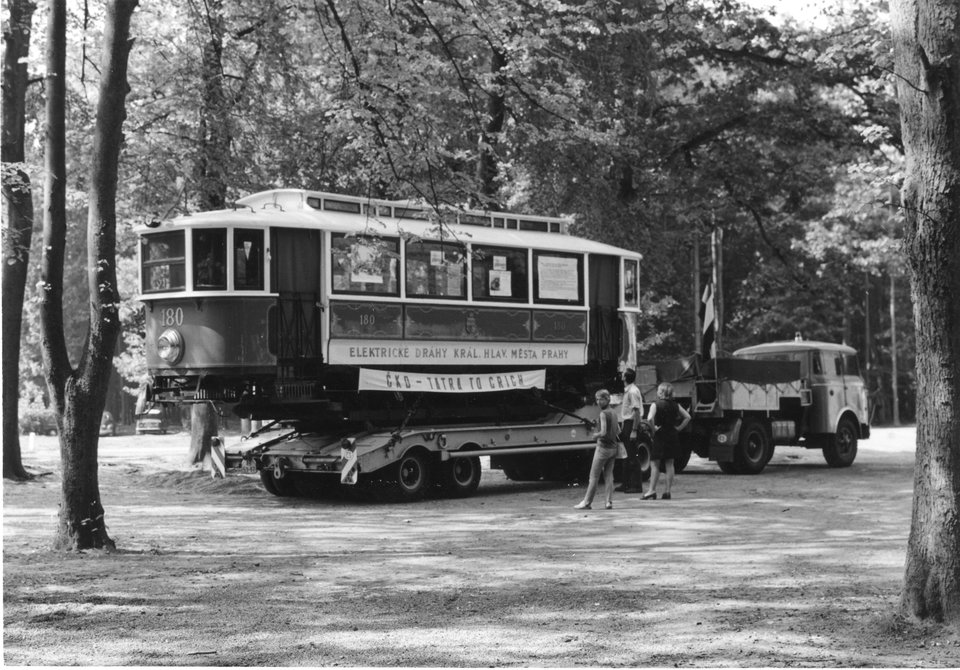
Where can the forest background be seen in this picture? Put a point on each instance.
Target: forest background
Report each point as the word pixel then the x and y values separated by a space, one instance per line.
pixel 653 124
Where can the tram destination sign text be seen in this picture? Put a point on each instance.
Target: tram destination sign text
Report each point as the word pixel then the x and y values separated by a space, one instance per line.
pixel 405 352
pixel 484 382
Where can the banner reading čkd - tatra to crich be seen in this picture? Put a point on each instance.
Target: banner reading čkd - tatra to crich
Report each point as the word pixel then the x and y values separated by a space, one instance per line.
pixel 486 382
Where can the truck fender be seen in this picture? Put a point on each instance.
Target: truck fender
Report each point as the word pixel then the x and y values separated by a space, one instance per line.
pixel 724 438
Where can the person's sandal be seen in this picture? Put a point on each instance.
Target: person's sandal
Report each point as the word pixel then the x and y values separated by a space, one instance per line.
pixel 650 496
pixel 665 496
pixel 582 505
pixel 608 506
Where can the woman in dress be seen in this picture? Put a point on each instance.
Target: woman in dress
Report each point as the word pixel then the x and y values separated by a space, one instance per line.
pixel 668 419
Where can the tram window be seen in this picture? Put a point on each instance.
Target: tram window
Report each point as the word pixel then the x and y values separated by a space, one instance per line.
pixel 558 278
pixel 210 259
pixel 164 263
pixel 631 271
pixel 435 270
pixel 365 265
pixel 500 274
pixel 247 260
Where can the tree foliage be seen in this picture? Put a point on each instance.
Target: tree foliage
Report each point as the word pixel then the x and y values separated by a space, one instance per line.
pixel 651 123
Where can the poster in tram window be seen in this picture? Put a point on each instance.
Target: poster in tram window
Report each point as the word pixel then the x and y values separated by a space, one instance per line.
pixel 500 286
pixel 630 276
pixel 558 278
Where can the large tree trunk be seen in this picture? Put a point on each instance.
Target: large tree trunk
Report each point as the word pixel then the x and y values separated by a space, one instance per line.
pixel 18 194
pixel 213 158
pixel 79 394
pixel 204 421
pixel 927 50
pixel 487 162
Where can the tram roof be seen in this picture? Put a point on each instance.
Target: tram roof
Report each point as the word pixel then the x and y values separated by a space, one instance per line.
pixel 290 208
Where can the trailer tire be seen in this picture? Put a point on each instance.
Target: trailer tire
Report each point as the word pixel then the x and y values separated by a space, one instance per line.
pixel 459 477
pixel 412 475
pixel 753 450
pixel 283 487
pixel 841 448
pixel 520 469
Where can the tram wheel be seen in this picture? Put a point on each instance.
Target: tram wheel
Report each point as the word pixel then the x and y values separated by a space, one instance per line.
pixel 459 477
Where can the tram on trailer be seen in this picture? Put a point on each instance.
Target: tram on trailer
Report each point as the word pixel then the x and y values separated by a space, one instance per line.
pixel 341 315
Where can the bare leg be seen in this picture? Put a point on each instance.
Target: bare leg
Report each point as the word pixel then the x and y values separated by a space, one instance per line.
pixel 670 475
pixel 608 479
pixel 595 469
pixel 654 475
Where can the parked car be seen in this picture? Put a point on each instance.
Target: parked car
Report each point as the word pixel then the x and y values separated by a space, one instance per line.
pixel 107 425
pixel 152 421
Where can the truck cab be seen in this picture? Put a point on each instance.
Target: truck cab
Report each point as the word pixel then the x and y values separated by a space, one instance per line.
pixel 832 373
pixel 798 393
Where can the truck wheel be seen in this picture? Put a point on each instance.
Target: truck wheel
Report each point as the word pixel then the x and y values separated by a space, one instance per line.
pixel 841 449
pixel 412 476
pixel 728 468
pixel 753 450
pixel 284 487
pixel 680 463
pixel 459 477
pixel 644 449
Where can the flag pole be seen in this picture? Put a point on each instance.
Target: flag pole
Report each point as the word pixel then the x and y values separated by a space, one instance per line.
pixel 697 325
pixel 717 253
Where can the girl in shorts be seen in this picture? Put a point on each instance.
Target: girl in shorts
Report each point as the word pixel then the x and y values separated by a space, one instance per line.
pixel 605 455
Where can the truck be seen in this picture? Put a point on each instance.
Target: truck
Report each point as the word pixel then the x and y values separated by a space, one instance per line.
pixel 797 392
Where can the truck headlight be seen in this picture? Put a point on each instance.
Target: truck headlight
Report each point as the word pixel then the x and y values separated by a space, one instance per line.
pixel 170 346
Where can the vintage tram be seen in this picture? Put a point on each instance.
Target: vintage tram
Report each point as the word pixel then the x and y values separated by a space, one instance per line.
pixel 343 314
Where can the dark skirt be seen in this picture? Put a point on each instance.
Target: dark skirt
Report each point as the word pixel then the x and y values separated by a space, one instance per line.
pixel 666 444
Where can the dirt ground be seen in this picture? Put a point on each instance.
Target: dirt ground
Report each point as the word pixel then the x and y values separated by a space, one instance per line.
pixel 799 566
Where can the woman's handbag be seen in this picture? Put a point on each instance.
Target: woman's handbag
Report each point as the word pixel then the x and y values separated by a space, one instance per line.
pixel 621 451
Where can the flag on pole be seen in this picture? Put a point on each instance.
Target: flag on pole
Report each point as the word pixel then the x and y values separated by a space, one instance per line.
pixel 708 321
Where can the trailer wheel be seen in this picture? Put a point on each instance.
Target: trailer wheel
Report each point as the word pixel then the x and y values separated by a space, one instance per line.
pixel 459 477
pixel 283 487
pixel 753 450
pixel 521 469
pixel 411 476
pixel 841 449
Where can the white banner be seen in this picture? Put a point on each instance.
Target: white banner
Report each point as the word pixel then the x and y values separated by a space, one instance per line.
pixel 406 352
pixel 392 380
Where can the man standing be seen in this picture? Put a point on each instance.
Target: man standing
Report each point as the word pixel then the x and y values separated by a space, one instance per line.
pixel 631 409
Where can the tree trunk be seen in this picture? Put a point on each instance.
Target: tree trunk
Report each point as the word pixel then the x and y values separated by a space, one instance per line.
pixel 927 51
pixel 18 194
pixel 203 426
pixel 79 394
pixel 214 154
pixel 487 163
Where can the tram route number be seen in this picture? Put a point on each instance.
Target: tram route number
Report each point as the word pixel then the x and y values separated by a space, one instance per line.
pixel 171 316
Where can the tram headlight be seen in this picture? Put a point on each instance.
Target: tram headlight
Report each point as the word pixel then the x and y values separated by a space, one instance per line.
pixel 170 346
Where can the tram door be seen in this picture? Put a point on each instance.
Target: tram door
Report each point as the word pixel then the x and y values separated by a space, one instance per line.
pixel 604 308
pixel 295 274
